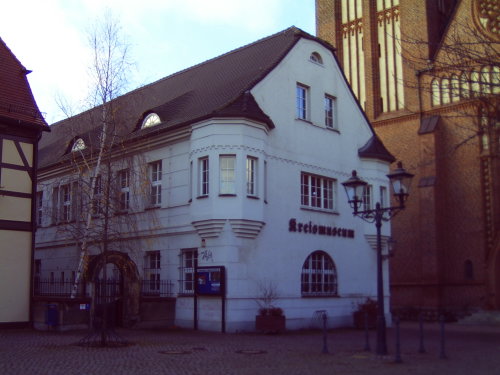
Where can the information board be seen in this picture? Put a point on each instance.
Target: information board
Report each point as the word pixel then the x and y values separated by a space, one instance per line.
pixel 211 281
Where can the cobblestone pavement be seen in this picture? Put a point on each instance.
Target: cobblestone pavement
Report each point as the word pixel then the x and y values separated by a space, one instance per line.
pixel 468 350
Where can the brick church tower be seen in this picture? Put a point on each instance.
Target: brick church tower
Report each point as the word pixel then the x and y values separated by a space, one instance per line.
pixel 427 73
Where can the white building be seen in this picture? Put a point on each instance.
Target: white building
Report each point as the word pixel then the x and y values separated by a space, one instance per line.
pixel 245 155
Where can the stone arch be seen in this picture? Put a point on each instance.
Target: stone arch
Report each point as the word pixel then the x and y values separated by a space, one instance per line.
pixel 131 282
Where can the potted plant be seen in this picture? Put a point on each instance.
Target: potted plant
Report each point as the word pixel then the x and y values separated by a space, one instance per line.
pixel 270 318
pixel 365 314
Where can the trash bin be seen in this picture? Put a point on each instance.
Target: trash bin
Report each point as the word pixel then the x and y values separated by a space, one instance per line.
pixel 52 315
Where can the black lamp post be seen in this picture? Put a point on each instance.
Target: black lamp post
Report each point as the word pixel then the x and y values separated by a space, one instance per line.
pixel 400 181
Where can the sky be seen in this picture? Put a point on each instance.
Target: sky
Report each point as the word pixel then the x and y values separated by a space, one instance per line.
pixel 49 37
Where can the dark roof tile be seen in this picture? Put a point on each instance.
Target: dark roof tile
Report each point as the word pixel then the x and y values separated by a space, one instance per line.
pixel 217 87
pixel 17 104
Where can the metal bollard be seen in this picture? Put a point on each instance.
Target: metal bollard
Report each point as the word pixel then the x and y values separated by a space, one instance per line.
pixel 397 359
pixel 367 334
pixel 325 344
pixel 421 349
pixel 442 354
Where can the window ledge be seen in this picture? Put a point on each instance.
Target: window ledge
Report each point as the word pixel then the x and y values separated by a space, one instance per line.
pixel 331 212
pixel 335 130
pixel 304 120
pixel 202 196
pixel 253 197
pixel 227 195
pixel 152 207
pixel 317 295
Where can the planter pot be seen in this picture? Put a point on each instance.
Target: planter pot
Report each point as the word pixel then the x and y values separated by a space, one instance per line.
pixel 270 323
pixel 359 320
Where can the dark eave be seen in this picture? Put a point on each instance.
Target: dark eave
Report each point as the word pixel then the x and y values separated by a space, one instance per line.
pixel 375 149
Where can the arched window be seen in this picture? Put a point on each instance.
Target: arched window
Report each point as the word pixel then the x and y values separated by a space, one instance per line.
pixel 78 145
pixel 316 57
pixel 475 87
pixel 455 88
pixel 485 80
pixel 319 276
pixel 150 120
pixel 445 91
pixel 464 86
pixel 495 80
pixel 436 93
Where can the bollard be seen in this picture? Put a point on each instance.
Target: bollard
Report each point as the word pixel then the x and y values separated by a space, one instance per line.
pixel 421 349
pixel 442 354
pixel 397 359
pixel 367 334
pixel 325 345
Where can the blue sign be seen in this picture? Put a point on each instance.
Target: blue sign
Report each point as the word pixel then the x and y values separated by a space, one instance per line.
pixel 210 281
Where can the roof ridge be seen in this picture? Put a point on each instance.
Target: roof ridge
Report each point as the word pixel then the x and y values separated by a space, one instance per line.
pixel 148 85
pixel 238 49
pixel 295 30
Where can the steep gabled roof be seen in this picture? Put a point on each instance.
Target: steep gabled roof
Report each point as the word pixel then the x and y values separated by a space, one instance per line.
pixel 219 87
pixel 17 105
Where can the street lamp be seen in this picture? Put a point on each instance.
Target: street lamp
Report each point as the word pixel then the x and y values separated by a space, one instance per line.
pixel 400 181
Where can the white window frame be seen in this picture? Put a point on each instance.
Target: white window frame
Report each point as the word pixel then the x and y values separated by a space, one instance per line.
pixel 124 193
pixel 302 102
pixel 66 203
pixel 227 171
pixel 329 103
pixel 188 265
pixel 251 175
pixel 155 181
pixel 97 198
pixel 39 208
pixel 384 202
pixel 152 272
pixel 318 192
pixel 204 176
pixel 367 197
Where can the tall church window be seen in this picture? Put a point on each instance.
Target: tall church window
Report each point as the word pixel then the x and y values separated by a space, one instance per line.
pixel 436 92
pixel 455 88
pixel 485 80
pixel 464 85
pixel 445 91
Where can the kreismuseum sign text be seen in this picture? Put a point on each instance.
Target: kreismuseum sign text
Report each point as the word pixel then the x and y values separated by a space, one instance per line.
pixel 322 230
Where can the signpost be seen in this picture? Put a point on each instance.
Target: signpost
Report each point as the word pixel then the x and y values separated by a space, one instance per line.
pixel 211 281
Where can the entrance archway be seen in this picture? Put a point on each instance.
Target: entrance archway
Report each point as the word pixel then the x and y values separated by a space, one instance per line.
pixel 127 287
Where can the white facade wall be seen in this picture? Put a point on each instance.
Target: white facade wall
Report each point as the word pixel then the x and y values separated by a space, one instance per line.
pixel 250 237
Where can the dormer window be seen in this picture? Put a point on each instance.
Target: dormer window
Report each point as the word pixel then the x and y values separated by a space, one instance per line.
pixel 150 120
pixel 316 57
pixel 78 145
